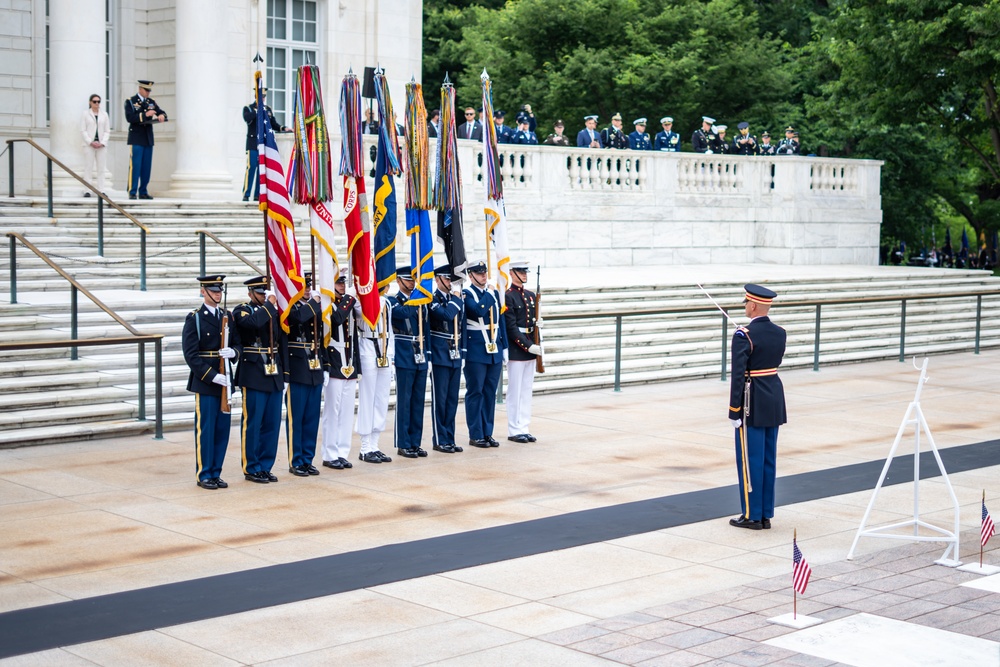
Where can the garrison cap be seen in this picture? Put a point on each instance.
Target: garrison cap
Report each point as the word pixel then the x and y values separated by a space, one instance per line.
pixel 708 119
pixel 665 120
pixel 478 266
pixel 617 116
pixel 743 125
pixel 639 121
pixel 148 85
pixel 258 284
pixel 758 294
pixel 212 283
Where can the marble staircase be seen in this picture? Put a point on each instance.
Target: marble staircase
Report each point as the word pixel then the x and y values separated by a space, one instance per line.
pixel 45 397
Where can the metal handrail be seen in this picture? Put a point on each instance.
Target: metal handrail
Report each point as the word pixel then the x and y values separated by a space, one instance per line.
pixel 618 315
pixel 141 340
pixel 101 198
pixel 202 233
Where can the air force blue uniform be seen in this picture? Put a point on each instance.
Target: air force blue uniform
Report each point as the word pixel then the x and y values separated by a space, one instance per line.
pixel 758 399
pixel 447 313
pixel 482 367
pixel 305 386
pixel 409 325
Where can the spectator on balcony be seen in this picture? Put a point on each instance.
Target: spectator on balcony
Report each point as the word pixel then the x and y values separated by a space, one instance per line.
pixel 96 129
pixel 371 125
pixel 433 123
pixel 704 137
pixel 612 136
pixel 588 137
pixel 471 128
pixel 667 139
pixel 766 147
pixel 532 123
pixel 720 145
pixel 504 134
pixel 524 135
pixel 638 140
pixel 557 138
pixel 744 143
pixel 790 144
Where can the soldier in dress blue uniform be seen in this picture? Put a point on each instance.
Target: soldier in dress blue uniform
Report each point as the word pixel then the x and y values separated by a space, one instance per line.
pixel 305 384
pixel 447 326
pixel 704 137
pixel 612 136
pixel 262 373
pixel 251 184
pixel 485 353
pixel 504 134
pixel 757 408
pixel 667 139
pixel 142 113
pixel 342 363
pixel 744 143
pixel 203 345
pixel 409 326
pixel 790 144
pixel 766 147
pixel 638 140
pixel 520 321
pixel 589 137
pixel 524 135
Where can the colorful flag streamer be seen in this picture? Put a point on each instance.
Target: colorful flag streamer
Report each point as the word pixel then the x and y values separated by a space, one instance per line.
pixel 448 185
pixel 418 196
pixel 387 165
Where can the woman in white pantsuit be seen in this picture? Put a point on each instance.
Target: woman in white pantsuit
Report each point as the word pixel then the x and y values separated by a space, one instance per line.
pixel 95 126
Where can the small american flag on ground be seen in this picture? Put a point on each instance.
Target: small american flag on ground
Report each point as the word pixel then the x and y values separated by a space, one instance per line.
pixel 800 569
pixel 988 529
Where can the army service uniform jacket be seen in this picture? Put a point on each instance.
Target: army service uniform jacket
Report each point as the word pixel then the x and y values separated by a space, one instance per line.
pixel 757 352
pixel 140 128
pixel 201 340
pixel 301 334
pixel 253 322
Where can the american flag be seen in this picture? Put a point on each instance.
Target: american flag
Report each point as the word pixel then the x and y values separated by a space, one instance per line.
pixel 988 529
pixel 282 249
pixel 800 569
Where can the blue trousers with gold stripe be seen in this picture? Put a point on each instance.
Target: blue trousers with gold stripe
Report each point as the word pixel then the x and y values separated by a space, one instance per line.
pixel 756 467
pixel 251 183
pixel 139 168
pixel 259 433
pixel 302 422
pixel 211 436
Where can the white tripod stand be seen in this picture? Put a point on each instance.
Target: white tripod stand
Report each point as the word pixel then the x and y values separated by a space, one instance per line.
pixel 915 416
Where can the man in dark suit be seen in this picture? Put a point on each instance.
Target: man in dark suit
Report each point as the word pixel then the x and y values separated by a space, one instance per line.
pixel 251 184
pixel 142 113
pixel 204 349
pixel 409 325
pixel 433 122
pixel 757 407
pixel 471 128
pixel 447 324
pixel 589 137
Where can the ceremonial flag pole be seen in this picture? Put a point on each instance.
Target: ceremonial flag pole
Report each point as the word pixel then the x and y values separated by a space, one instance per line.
pixel 387 165
pixel 496 217
pixel 418 201
pixel 448 185
pixel 987 531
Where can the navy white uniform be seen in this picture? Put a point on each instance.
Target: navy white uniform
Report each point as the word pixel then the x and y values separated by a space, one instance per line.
pixel 376 348
pixel 342 362
pixel 305 385
pixel 140 140
pixel 757 399
pixel 201 340
pixel 519 320
pixel 251 184
pixel 262 391
pixel 409 325
pixel 447 328
pixel 482 366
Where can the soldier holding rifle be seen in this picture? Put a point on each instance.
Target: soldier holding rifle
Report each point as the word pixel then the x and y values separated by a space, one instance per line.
pixel 210 341
pixel 522 323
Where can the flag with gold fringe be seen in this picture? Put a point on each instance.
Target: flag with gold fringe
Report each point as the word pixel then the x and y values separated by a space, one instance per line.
pixel 283 262
pixel 387 165
pixel 419 196
pixel 497 249
pixel 448 185
pixel 356 221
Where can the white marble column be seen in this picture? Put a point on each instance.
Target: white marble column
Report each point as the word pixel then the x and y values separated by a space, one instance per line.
pixel 76 71
pixel 202 128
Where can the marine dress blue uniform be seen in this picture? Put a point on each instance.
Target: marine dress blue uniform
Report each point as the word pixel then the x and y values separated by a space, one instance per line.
pixel 447 325
pixel 305 386
pixel 757 401
pixel 201 340
pixel 485 342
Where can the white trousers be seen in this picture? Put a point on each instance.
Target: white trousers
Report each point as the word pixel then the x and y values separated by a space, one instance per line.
pixel 520 378
pixel 338 415
pixel 373 397
pixel 95 159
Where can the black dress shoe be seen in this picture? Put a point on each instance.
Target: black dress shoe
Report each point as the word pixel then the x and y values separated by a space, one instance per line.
pixel 144 197
pixel 344 462
pixel 407 453
pixel 456 448
pixel 311 469
pixel 530 438
pixel 208 484
pixel 766 523
pixel 132 197
pixel 421 452
pixel 744 522
pixel 86 194
pixel 255 477
pixel 492 441
pixel 246 199
pixel 299 471
pixel 522 438
pixel 447 449
pixel 385 459
pixel 335 464
pixel 270 476
pixel 483 443
pixel 221 483
pixel 370 457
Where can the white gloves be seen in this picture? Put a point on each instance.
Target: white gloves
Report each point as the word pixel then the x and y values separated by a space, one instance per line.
pixel 538 322
pixel 736 422
pixel 227 353
pixel 313 294
pixel 221 379
pixel 506 356
pixel 268 294
pixel 326 377
pixel 535 349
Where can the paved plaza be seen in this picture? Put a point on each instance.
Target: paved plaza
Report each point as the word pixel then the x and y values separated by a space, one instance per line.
pixel 606 542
